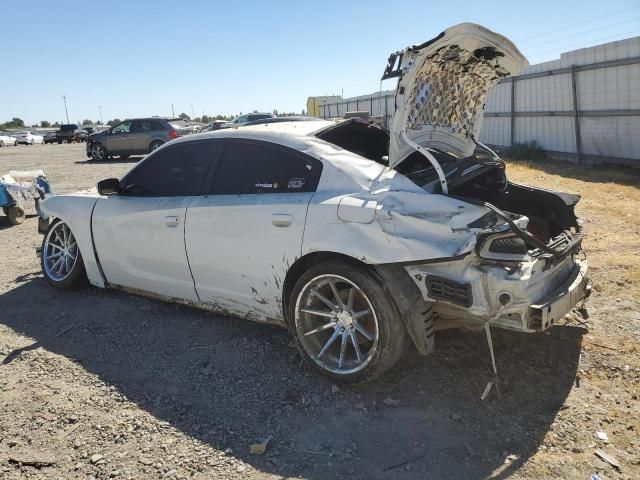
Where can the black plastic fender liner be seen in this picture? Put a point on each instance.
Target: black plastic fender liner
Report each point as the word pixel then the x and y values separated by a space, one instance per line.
pixel 417 315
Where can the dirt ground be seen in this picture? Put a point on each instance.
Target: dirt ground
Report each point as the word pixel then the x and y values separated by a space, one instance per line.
pixel 98 384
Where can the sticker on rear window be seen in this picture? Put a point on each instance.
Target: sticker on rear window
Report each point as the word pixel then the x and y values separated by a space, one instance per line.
pixel 295 183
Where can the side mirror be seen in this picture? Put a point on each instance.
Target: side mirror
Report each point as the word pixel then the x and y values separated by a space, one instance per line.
pixel 110 186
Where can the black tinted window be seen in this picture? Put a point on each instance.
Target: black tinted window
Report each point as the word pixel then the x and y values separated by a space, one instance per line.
pixel 138 126
pixel 156 126
pixel 178 170
pixel 259 167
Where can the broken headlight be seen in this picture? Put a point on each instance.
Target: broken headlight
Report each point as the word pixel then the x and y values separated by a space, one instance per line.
pixel 504 247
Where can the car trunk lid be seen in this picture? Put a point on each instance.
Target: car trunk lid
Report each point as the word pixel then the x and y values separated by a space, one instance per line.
pixel 442 88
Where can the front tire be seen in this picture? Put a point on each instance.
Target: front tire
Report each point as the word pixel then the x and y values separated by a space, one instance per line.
pixel 99 153
pixel 60 258
pixel 344 323
pixel 1 144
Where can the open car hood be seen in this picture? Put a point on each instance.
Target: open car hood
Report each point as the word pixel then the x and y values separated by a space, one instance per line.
pixel 442 88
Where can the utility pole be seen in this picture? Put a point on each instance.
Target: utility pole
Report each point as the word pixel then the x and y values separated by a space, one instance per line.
pixel 64 97
pixel 173 114
pixel 192 115
pixel 100 109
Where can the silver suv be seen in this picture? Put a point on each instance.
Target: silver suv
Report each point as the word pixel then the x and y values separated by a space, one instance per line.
pixel 137 136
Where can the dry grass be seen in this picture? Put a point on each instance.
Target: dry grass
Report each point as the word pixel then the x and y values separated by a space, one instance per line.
pixel 610 210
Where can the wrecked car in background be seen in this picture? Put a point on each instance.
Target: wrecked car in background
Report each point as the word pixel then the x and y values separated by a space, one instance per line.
pixel 360 241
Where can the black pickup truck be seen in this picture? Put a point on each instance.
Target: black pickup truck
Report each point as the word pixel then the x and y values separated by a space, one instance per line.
pixel 71 133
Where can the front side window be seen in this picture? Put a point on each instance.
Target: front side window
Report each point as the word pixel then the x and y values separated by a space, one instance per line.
pixel 123 127
pixel 176 171
pixel 261 167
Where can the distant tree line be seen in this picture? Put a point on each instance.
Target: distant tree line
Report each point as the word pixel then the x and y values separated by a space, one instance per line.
pixel 16 122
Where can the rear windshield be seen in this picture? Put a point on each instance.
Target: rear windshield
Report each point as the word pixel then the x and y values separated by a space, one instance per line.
pixel 68 127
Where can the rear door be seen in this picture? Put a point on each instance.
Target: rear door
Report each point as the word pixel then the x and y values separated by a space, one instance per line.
pixel 140 136
pixel 139 234
pixel 242 237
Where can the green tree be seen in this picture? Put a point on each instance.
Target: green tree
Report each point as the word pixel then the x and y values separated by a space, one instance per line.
pixel 45 124
pixel 14 123
pixel 87 123
pixel 184 116
pixel 98 122
pixel 113 122
pixel 206 119
pixel 56 125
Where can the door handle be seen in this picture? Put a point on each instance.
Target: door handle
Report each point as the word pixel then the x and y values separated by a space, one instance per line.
pixel 171 221
pixel 281 219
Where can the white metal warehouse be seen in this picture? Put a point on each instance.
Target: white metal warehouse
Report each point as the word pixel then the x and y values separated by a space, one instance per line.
pixel 585 106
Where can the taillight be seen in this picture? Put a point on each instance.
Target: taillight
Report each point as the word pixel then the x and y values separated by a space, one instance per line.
pixel 173 134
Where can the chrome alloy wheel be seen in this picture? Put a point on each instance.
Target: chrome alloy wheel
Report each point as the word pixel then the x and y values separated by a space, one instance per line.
pixel 336 324
pixel 98 152
pixel 60 252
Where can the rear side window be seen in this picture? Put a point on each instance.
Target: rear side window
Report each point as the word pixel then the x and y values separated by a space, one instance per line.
pixel 261 167
pixel 176 171
pixel 157 126
pixel 139 126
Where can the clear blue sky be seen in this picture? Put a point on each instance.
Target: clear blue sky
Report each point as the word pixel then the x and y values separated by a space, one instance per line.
pixel 138 57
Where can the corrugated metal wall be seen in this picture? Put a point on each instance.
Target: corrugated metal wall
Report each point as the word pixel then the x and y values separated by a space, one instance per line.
pixel 604 125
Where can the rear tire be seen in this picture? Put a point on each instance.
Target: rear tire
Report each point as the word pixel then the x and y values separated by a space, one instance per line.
pixel 353 338
pixel 154 146
pixel 16 215
pixel 123 157
pixel 59 142
pixel 1 144
pixel 60 258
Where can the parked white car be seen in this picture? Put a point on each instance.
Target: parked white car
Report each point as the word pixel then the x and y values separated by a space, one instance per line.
pixel 29 138
pixel 6 140
pixel 358 248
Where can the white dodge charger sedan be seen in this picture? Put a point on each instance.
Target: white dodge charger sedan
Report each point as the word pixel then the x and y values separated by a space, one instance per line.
pixel 361 241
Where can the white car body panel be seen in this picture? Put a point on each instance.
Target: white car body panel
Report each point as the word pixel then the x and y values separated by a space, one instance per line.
pixel 75 210
pixel 140 244
pixel 240 247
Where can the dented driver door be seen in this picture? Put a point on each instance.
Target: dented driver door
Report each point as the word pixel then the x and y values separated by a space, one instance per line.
pixel 242 237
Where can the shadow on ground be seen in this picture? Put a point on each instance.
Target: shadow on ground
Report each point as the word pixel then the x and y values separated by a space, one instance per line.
pixel 117 160
pixel 229 382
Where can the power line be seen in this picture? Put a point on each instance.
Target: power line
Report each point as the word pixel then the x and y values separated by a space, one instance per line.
pixel 575 25
pixel 583 33
pixel 577 46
